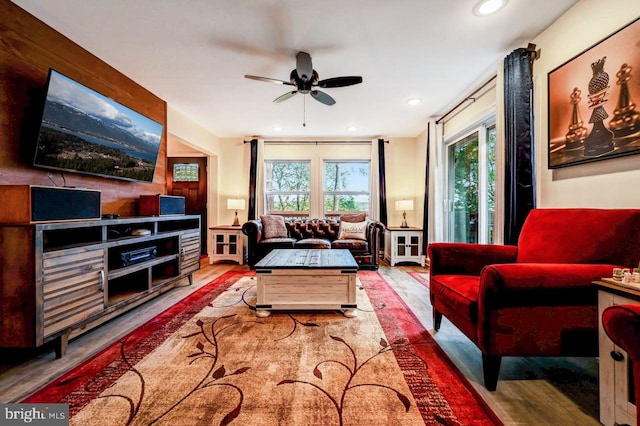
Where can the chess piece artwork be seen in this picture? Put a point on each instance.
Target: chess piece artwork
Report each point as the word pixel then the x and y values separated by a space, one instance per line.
pixel 626 120
pixel 600 140
pixel 577 132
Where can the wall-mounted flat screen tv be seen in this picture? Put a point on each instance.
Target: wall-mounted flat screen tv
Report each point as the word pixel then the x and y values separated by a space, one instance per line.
pixel 83 131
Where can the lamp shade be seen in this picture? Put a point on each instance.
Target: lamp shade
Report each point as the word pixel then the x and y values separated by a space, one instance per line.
pixel 404 205
pixel 235 204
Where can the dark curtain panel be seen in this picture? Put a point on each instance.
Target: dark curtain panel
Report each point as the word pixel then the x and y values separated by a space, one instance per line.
pixel 425 209
pixel 383 185
pixel 252 179
pixel 519 143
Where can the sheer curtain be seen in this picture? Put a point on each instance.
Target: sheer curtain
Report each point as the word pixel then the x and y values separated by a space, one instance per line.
pixel 436 197
pixel 519 185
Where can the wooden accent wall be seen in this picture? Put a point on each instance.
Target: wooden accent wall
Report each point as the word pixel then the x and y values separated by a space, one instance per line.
pixel 28 48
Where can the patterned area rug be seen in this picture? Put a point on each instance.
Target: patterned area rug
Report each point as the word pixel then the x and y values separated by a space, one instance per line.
pixel 421 277
pixel 210 360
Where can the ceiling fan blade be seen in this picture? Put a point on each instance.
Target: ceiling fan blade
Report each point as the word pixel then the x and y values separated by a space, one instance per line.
pixel 340 81
pixel 304 66
pixel 285 96
pixel 267 79
pixel 322 97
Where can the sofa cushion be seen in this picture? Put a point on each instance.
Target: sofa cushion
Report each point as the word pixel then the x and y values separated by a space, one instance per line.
pixel 354 245
pixel 313 243
pixel 273 243
pixel 459 294
pixel 353 231
pixel 273 227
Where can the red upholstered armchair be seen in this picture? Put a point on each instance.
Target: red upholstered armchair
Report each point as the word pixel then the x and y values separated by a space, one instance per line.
pixel 622 325
pixel 536 298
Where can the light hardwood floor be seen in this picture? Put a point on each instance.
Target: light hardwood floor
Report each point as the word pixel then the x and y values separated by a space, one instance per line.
pixel 531 391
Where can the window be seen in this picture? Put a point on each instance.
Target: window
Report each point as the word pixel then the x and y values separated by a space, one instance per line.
pixel 287 187
pixel 185 172
pixel 471 187
pixel 345 187
pixel 316 179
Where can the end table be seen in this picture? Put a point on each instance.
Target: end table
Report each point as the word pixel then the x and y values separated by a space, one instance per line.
pixel 615 381
pixel 403 245
pixel 227 243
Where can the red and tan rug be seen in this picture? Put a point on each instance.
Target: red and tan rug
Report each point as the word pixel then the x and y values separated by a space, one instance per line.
pixel 210 360
pixel 421 277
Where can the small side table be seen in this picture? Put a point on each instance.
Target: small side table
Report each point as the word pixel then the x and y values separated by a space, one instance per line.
pixel 227 243
pixel 614 378
pixel 403 245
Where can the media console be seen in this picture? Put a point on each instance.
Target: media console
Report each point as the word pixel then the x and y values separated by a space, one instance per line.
pixel 61 279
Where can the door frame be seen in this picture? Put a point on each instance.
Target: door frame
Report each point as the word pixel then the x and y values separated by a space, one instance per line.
pixel 203 185
pixel 481 128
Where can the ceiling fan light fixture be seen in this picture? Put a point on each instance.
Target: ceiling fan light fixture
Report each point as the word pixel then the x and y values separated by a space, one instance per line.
pixel 488 7
pixel 305 79
pixel 414 101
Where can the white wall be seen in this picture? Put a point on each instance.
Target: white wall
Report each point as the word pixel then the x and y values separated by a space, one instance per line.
pixel 611 183
pixel 471 113
pixel 405 165
pixel 187 133
pixel 233 178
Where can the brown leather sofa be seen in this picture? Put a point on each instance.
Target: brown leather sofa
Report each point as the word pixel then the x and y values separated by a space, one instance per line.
pixel 315 233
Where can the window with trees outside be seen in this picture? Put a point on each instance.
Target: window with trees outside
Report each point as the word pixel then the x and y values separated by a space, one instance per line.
pixel 339 187
pixel 471 187
pixel 345 187
pixel 287 187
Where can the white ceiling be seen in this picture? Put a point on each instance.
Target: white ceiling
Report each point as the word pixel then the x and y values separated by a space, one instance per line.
pixel 194 54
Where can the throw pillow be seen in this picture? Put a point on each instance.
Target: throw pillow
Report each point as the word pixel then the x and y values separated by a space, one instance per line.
pixel 354 217
pixel 353 230
pixel 273 226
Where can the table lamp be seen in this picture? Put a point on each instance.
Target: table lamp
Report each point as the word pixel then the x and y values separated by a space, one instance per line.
pixel 235 204
pixel 404 205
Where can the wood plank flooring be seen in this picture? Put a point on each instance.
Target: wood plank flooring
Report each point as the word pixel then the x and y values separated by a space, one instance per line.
pixel 531 391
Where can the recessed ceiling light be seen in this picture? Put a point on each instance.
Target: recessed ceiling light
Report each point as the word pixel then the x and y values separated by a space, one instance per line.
pixel 277 129
pixel 487 7
pixel 414 101
pixel 352 128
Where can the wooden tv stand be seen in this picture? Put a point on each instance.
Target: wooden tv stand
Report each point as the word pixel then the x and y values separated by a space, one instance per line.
pixel 61 279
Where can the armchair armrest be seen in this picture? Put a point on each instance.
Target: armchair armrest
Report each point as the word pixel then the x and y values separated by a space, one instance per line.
pixel 547 284
pixel 539 309
pixel 467 259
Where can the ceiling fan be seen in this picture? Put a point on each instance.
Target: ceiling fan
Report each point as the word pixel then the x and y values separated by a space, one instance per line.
pixel 305 79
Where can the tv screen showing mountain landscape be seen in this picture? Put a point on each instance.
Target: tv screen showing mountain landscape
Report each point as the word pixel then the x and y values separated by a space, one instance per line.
pixel 84 131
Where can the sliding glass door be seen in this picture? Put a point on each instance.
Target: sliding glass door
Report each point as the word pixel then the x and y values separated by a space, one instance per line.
pixel 470 202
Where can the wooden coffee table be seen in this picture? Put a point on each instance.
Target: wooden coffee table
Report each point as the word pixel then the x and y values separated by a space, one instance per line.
pixel 293 279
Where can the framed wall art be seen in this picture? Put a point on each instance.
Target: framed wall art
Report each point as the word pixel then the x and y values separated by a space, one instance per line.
pixel 594 101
